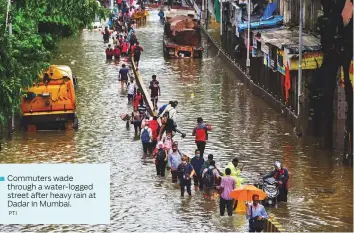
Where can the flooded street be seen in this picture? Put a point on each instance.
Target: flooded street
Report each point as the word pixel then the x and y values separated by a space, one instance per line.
pixel 321 189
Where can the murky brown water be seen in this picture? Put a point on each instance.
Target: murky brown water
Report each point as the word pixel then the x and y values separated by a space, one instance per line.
pixel 321 190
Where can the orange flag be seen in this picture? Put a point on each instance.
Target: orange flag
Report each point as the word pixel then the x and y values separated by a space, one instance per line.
pixel 347 12
pixel 287 81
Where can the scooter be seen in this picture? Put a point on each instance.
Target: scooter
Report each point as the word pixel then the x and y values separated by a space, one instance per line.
pixel 270 187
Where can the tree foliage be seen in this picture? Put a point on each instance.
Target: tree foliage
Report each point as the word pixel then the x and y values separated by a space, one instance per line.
pixel 38 25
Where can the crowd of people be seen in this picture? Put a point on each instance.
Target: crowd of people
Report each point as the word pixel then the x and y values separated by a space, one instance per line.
pixel 157 134
pixel 125 42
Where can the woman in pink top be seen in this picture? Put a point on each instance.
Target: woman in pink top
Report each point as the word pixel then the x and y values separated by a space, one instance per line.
pixel 167 141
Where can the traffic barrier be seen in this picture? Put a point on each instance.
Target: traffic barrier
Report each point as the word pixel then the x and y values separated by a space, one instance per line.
pixel 272 225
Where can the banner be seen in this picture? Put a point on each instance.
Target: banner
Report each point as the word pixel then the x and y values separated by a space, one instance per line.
pixel 309 61
pixel 281 61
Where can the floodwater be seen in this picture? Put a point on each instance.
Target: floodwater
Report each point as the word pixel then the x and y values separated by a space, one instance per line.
pixel 321 189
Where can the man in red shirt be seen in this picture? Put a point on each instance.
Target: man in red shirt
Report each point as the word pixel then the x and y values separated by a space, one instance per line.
pixel 155 128
pixel 109 52
pixel 136 99
pixel 201 135
pixel 155 91
pixel 116 53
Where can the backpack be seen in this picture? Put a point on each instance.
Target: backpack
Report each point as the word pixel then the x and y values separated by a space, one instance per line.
pixel 161 155
pixel 137 51
pixel 208 179
pixel 145 138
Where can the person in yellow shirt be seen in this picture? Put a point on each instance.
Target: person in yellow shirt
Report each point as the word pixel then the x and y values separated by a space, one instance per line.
pixel 235 171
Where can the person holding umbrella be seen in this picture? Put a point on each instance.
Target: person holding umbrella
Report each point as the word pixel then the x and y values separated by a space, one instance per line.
pixel 245 193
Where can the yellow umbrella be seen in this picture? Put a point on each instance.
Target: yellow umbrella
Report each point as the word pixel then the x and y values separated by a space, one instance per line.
pixel 245 193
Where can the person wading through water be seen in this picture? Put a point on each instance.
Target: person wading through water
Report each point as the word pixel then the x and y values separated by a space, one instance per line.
pixel 116 53
pixel 210 177
pixel 235 173
pixel 174 160
pixel 201 135
pixel 185 172
pixel 146 135
pixel 227 184
pixel 137 98
pixel 160 159
pixel 136 120
pixel 109 52
pixel 168 107
pixel 125 47
pixel 256 214
pixel 197 162
pixel 106 35
pixel 123 75
pixel 163 107
pixel 131 91
pixel 168 126
pixel 137 53
pixel 155 128
pixel 155 91
pixel 142 109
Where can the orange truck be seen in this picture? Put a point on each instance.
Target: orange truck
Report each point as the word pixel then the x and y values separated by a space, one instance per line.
pixel 182 35
pixel 51 103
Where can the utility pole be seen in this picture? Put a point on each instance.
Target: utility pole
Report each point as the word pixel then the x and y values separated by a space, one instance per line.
pixel 299 82
pixel 207 14
pixel 13 115
pixel 202 16
pixel 248 61
pixel 11 124
pixel 221 18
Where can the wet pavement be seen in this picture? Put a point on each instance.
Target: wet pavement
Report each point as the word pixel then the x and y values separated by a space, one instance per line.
pixel 321 189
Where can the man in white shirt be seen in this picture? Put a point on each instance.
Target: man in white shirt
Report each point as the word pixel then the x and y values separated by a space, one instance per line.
pixel 172 104
pixel 173 114
pixel 256 214
pixel 131 91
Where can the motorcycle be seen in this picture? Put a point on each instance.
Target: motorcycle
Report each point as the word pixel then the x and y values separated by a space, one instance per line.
pixel 270 187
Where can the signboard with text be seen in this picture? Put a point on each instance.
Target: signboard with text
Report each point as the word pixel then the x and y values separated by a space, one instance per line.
pixel 281 61
pixel 310 61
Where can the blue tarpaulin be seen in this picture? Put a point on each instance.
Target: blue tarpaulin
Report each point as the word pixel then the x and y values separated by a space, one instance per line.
pixel 272 22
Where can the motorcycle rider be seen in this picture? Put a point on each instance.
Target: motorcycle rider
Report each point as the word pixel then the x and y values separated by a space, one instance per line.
pixel 281 175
